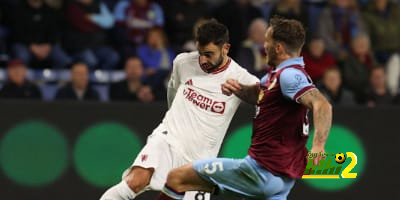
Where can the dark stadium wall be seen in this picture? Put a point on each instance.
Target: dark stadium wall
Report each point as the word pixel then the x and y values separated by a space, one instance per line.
pixel 75 151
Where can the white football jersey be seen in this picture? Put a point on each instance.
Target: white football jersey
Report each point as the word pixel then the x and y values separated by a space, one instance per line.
pixel 199 115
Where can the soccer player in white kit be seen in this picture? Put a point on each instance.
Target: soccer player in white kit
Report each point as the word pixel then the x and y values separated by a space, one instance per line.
pixel 198 117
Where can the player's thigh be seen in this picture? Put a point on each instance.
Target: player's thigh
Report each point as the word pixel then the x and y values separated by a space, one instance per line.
pixel 156 157
pixel 232 176
pixel 243 177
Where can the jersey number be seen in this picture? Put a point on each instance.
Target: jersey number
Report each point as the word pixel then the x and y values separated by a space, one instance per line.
pixel 213 168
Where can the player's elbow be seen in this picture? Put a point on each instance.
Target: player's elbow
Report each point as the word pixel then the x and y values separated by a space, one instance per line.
pixel 327 106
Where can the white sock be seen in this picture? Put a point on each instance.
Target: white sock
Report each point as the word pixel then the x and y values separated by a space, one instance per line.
pixel 121 191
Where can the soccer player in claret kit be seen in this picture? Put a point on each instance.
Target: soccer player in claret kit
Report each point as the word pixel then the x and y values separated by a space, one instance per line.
pixel 277 154
pixel 198 117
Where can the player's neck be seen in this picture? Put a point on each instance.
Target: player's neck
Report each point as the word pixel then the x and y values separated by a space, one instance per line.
pixel 284 58
pixel 223 64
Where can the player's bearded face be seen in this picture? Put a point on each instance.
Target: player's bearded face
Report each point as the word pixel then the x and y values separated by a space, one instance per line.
pixel 211 65
pixel 272 56
pixel 211 57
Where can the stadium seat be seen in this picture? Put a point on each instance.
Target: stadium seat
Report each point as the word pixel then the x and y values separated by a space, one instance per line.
pixel 30 74
pixel 63 75
pixel 117 75
pixel 48 91
pixel 103 91
pixel 3 75
pixel 48 75
pixel 99 76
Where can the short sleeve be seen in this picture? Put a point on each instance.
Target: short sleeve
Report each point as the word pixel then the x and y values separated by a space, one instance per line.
pixel 294 83
pixel 173 83
pixel 246 78
pixel 174 79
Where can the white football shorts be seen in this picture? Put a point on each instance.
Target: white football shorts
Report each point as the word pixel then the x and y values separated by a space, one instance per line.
pixel 158 154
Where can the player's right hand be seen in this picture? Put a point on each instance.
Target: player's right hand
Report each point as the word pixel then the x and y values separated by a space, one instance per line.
pixel 230 86
pixel 320 152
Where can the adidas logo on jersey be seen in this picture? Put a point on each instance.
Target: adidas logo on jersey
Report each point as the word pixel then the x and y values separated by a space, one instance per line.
pixel 189 82
pixel 204 102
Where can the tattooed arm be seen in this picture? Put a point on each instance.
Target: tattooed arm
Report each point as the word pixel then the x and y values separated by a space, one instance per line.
pixel 248 93
pixel 322 115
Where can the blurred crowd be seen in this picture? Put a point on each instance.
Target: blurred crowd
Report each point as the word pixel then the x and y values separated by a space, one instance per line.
pixel 122 50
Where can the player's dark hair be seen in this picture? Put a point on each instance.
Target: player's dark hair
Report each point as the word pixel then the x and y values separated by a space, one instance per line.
pixel 290 32
pixel 212 32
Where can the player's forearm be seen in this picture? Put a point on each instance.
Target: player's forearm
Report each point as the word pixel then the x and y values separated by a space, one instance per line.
pixel 322 114
pixel 248 93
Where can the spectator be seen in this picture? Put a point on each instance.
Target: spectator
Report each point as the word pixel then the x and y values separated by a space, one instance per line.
pixel 8 20
pixel 111 3
pixel 190 45
pixel 79 88
pixel 214 3
pixel 333 89
pixel 381 18
pixel 134 18
pixel 17 86
pixel 317 59
pixel 4 35
pixel 338 23
pixel 55 4
pixel 291 9
pixel 180 17
pixel 86 37
pixel 157 59
pixel 132 88
pixel 378 93
pixel 251 54
pixel 357 66
pixel 36 36
pixel 237 16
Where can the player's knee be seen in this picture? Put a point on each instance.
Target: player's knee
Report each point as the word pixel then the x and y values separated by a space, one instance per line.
pixel 137 180
pixel 136 185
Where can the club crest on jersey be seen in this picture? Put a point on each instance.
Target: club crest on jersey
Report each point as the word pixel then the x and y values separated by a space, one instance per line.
pixel 272 85
pixel 204 102
pixel 144 157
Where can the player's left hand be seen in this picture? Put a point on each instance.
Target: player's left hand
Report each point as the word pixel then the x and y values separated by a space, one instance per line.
pixel 230 86
pixel 320 154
